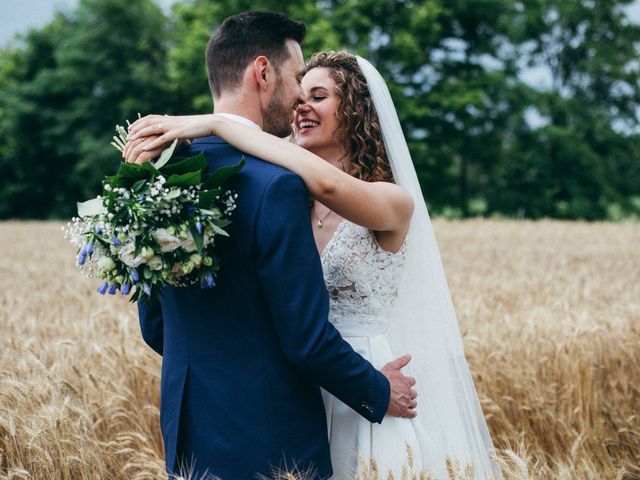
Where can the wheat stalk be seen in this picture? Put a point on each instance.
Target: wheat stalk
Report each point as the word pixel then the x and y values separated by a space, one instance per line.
pixel 549 311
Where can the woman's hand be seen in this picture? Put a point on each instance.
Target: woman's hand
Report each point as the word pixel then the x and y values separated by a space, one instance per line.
pixel 134 151
pixel 149 135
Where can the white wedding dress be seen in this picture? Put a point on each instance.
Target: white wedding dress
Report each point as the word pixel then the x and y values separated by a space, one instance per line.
pixel 362 280
pixel 387 305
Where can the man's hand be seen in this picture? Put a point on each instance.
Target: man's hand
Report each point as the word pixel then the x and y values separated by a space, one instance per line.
pixel 403 397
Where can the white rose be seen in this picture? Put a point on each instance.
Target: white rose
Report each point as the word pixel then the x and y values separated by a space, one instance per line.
pixel 155 263
pixel 167 242
pixel 208 239
pixel 106 263
pixel 126 255
pixel 189 244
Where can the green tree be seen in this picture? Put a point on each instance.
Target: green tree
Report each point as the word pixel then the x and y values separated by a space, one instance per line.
pixel 450 98
pixel 193 23
pixel 64 88
pixel 582 160
pixel 483 141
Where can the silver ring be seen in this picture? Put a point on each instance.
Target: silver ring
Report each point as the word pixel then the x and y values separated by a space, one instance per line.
pixel 160 128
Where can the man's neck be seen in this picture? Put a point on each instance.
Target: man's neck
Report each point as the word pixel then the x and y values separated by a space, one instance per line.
pixel 239 107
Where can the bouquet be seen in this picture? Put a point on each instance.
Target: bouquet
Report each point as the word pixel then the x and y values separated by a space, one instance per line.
pixel 154 225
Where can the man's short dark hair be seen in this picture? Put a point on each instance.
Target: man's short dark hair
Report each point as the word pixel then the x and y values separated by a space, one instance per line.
pixel 242 38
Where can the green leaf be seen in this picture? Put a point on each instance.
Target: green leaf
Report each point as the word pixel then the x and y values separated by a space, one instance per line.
pixel 132 171
pixel 91 207
pixel 207 197
pixel 218 230
pixel 166 155
pixel 185 165
pixel 148 166
pixel 172 194
pixel 135 296
pixel 221 175
pixel 122 214
pixel 116 181
pixel 191 178
pixel 198 238
pixel 215 212
pixel 138 185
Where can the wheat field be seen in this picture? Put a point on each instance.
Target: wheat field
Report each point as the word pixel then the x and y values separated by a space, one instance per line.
pixel 550 313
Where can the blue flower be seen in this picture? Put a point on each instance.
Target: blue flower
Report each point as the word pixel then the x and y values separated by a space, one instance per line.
pixel 191 209
pixel 146 289
pixel 112 289
pixel 199 227
pixel 135 276
pixel 207 281
pixel 125 288
pixel 141 197
pixel 90 248
pixel 82 258
pixel 116 241
pixel 97 229
pixel 83 250
pixel 102 289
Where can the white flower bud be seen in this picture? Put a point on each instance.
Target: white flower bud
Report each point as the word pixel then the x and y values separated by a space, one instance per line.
pixel 155 263
pixel 106 263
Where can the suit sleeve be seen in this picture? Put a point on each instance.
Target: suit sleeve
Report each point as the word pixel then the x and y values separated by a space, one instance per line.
pixel 291 277
pixel 150 315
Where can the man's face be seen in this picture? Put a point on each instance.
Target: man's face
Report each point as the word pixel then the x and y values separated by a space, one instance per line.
pixel 287 93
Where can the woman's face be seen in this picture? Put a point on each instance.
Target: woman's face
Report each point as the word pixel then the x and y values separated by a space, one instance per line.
pixel 316 121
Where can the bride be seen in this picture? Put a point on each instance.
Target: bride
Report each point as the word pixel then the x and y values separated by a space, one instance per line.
pixel 382 268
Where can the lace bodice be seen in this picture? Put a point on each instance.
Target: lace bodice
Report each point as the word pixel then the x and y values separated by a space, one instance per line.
pixel 362 280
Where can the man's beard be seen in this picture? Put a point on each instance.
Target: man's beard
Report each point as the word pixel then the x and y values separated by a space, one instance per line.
pixel 278 116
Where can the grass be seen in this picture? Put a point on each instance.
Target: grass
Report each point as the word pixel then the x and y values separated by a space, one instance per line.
pixel 550 313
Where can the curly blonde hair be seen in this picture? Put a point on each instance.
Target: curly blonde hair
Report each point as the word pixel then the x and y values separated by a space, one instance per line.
pixel 359 129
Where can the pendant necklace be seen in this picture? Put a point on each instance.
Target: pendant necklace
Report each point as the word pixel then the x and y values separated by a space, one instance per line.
pixel 320 220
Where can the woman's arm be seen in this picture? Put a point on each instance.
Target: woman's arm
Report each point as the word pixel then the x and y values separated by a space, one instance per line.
pixel 378 206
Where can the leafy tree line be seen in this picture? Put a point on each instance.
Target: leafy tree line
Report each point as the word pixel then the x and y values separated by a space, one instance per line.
pixel 484 139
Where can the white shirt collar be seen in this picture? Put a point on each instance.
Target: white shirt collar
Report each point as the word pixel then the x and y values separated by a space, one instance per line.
pixel 240 119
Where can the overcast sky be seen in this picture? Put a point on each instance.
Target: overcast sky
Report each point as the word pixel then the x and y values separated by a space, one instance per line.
pixel 18 15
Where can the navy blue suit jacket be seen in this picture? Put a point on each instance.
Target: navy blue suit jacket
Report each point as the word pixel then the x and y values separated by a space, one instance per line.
pixel 243 362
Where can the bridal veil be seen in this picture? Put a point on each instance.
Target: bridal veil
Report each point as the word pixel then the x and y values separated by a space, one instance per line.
pixel 450 422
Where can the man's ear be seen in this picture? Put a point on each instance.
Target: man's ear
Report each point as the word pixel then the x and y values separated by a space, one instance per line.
pixel 262 72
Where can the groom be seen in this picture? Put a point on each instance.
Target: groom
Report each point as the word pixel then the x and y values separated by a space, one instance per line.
pixel 243 362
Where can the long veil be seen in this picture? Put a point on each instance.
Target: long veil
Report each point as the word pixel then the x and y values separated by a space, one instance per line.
pixel 450 423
